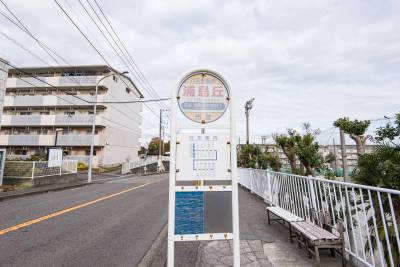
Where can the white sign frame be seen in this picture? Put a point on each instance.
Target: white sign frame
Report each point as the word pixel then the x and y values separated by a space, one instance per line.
pixel 55 157
pixel 173 172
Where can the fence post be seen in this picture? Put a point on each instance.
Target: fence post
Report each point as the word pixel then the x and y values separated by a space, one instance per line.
pixel 33 169
pixel 312 193
pixel 269 187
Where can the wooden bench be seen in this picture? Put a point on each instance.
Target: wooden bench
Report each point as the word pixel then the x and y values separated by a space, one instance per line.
pixel 284 216
pixel 315 237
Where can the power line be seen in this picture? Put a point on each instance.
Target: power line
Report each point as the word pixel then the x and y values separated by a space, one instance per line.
pixel 83 34
pixel 24 48
pixel 140 73
pixel 134 101
pixel 76 26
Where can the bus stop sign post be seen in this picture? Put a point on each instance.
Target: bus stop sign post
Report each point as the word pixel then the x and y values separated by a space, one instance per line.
pixel 203 192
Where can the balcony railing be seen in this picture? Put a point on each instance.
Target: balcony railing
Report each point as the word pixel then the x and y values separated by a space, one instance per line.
pixel 50 120
pixel 370 214
pixel 50 100
pixel 49 140
pixel 55 81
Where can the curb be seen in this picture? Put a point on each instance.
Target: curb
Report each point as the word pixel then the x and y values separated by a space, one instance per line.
pixel 156 256
pixel 18 195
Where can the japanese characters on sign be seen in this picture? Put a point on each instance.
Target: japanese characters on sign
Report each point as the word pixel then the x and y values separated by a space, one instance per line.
pixel 203 98
pixel 203 157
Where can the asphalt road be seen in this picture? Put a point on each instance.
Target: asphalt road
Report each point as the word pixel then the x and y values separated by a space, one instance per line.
pixel 108 224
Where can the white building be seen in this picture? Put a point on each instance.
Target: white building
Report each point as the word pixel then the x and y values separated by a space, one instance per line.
pixel 41 114
pixel 3 81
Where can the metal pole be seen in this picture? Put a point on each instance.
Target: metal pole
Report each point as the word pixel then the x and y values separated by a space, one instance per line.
pixel 247 107
pixel 344 156
pixel 94 122
pixel 334 152
pixel 247 127
pixel 235 189
pixel 172 177
pixel 55 141
pixel 93 131
pixel 159 145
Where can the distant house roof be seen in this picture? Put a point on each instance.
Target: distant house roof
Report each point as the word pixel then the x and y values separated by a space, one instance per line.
pixel 88 68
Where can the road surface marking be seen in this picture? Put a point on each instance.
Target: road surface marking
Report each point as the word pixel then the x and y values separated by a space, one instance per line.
pixel 60 212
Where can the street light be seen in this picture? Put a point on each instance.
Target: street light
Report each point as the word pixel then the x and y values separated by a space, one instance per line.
pixel 55 139
pixel 94 122
pixel 247 107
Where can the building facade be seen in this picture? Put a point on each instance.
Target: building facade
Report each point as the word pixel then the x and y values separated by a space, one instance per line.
pixel 57 110
pixel 3 80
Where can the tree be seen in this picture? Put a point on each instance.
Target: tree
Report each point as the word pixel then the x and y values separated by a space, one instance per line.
pixel 154 144
pixel 307 150
pixel 356 129
pixel 251 156
pixel 288 145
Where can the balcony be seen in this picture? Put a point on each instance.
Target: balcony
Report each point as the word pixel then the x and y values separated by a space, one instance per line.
pixel 48 140
pixel 50 120
pixel 62 81
pixel 49 100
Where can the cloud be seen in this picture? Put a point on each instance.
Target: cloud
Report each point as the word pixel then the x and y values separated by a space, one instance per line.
pixel 302 60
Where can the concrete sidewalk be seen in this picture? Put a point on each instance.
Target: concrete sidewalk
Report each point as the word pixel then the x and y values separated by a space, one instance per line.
pixel 261 244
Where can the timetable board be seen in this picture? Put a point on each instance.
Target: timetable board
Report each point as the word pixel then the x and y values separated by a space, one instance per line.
pixel 203 157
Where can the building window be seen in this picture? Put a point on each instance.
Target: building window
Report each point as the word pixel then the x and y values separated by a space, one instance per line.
pixel 25 113
pixel 87 152
pixel 44 113
pixel 69 113
pixel 90 131
pixel 20 152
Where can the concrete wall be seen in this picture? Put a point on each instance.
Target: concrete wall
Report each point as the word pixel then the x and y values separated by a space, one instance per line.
pixel 39 181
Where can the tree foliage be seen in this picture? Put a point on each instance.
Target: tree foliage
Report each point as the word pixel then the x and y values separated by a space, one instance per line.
pixel 251 156
pixel 307 150
pixel 356 130
pixel 154 144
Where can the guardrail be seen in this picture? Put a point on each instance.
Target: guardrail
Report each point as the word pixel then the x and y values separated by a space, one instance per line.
pixel 36 169
pixel 370 214
pixel 128 166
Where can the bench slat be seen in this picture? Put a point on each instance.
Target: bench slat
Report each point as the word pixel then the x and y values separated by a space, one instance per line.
pixel 284 214
pixel 313 232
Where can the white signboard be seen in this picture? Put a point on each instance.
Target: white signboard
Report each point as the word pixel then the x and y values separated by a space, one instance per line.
pixel 203 157
pixel 55 157
pixel 203 191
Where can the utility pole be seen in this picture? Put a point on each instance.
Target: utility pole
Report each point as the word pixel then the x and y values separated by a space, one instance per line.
pixel 159 145
pixel 247 107
pixel 344 156
pixel 334 153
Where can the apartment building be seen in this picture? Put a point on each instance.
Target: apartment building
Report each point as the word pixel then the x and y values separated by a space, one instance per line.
pixel 3 81
pixel 351 151
pixel 57 110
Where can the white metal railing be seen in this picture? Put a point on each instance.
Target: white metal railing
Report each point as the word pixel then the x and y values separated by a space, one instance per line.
pixel 35 169
pixel 128 166
pixel 370 214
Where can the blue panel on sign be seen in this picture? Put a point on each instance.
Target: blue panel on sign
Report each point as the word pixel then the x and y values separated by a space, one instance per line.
pixel 189 213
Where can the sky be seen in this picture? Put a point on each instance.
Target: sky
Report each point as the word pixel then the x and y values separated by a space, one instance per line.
pixel 302 61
